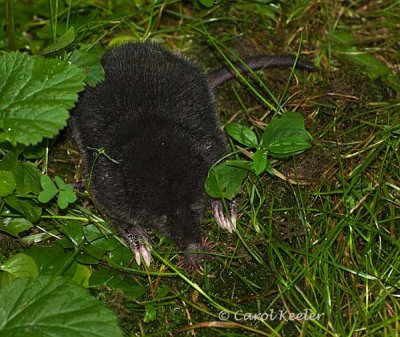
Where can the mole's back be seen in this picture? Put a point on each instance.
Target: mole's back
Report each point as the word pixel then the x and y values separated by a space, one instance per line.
pixel 144 80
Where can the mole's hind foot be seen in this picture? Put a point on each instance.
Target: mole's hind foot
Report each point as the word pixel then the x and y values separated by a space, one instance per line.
pixel 218 210
pixel 193 255
pixel 139 243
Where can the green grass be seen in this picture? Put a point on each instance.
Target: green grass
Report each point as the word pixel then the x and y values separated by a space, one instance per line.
pixel 328 245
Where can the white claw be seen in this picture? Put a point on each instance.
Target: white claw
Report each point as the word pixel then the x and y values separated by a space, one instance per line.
pixel 140 247
pixel 233 218
pixel 224 222
pixel 217 212
pixel 137 256
pixel 146 255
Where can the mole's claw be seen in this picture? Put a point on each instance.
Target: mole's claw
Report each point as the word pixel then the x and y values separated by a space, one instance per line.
pixel 139 243
pixel 145 253
pixel 233 214
pixel 136 252
pixel 224 222
pixel 141 250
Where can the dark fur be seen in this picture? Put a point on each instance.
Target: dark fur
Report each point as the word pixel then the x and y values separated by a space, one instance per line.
pixel 154 113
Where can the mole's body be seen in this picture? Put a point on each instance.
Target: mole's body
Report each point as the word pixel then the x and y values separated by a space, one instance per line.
pixel 155 115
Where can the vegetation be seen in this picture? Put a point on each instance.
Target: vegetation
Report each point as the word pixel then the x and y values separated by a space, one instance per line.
pixel 316 251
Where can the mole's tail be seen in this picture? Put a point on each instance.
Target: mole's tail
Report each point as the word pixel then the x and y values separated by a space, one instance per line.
pixel 221 75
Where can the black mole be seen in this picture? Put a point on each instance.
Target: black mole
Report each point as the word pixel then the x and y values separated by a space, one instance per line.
pixel 155 118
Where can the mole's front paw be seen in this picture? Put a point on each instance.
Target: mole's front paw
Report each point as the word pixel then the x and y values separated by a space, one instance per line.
pixel 228 223
pixel 140 245
pixel 142 252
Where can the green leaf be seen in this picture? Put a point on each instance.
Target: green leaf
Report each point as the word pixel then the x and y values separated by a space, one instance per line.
pixel 10 160
pixel 25 207
pixel 151 313
pixel 207 3
pixel 91 255
pixel 49 189
pixel 82 275
pixel 345 46
pixel 7 183
pixel 225 180
pixel 49 259
pixel 99 240
pixel 67 195
pixel 65 198
pixel 242 134
pixel 120 255
pixel 92 233
pixel 289 147
pixel 28 179
pixel 63 41
pixel 14 226
pixel 116 280
pixel 259 161
pixel 61 184
pixel 53 307
pixel 286 136
pixel 36 151
pixel 35 95
pixel 46 196
pixel 20 265
pixel 89 59
pixel 74 231
pixel 343 38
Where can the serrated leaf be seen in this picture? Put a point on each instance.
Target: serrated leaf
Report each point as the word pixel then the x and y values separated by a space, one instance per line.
pixel 53 307
pixel 242 134
pixel 20 265
pixel 35 95
pixel 225 180
pixel 7 183
pixel 286 136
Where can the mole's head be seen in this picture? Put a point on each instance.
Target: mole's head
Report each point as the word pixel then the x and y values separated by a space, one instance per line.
pixel 164 174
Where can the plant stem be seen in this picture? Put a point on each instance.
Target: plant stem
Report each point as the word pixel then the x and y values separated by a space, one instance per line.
pixel 10 24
